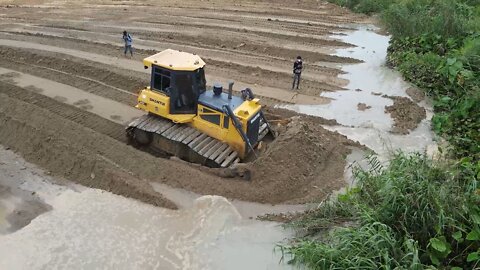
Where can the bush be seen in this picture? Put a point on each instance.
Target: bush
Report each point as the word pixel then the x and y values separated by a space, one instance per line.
pixel 459 123
pixel 412 214
pixel 421 69
pixel 446 18
pixel 470 52
pixel 416 213
pixel 371 246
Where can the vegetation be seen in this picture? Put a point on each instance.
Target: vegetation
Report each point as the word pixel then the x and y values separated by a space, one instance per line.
pixel 413 214
pixel 436 45
pixel 416 213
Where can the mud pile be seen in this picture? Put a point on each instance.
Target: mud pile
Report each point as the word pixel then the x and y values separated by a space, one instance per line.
pixel 305 159
pixel 406 114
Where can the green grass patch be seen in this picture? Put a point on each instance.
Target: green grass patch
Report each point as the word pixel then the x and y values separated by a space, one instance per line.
pixel 411 215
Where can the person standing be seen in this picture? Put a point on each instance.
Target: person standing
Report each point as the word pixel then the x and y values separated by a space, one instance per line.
pixel 297 71
pixel 127 38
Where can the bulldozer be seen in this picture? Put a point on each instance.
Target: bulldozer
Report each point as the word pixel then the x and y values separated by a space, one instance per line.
pixel 183 118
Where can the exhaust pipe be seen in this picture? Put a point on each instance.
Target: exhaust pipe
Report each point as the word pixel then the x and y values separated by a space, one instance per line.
pixel 230 90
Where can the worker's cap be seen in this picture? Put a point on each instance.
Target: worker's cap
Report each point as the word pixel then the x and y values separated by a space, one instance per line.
pixel 124 32
pixel 299 57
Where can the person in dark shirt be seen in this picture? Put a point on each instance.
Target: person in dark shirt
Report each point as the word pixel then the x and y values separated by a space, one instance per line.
pixel 297 71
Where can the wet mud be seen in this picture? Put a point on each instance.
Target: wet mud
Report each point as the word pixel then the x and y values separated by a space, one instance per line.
pixel 406 114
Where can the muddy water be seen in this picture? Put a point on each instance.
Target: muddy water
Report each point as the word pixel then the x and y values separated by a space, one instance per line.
pixel 368 81
pixel 248 210
pixel 93 229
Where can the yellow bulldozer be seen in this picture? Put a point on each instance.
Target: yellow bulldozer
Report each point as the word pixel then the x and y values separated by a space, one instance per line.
pixel 209 127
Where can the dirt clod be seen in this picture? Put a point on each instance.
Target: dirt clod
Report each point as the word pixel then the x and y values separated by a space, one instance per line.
pixel 416 94
pixel 363 107
pixel 406 114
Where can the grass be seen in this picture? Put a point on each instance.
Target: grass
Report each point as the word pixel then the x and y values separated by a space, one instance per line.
pixel 414 214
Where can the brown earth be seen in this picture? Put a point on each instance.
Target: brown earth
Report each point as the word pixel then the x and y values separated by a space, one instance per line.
pixel 305 163
pixel 251 42
pixel 406 114
pixel 416 94
pixel 363 107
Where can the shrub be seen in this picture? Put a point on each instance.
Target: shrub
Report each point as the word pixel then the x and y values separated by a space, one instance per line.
pixel 446 18
pixel 370 246
pixel 459 123
pixel 413 214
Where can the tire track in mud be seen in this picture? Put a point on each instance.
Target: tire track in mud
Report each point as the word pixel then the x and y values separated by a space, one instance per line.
pixel 280 30
pixel 58 142
pixel 327 13
pixel 89 77
pixel 70 113
pixel 224 56
pixel 327 80
pixel 270 94
pixel 210 45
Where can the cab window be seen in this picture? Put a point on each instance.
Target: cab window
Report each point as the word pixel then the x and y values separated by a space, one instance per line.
pixel 160 79
pixel 200 79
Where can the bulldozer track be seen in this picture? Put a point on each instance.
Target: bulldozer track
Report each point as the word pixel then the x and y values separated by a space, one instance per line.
pixel 82 79
pixel 184 141
pixel 79 116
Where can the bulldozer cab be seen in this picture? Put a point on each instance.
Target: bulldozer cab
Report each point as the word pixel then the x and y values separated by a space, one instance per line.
pixel 180 76
pixel 183 87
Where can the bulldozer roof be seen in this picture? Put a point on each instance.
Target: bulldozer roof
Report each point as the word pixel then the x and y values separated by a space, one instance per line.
pixel 175 60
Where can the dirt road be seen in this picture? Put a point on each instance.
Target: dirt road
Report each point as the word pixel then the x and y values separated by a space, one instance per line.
pixel 67 90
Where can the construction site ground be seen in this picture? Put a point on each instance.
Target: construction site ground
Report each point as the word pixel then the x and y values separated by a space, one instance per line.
pixel 67 91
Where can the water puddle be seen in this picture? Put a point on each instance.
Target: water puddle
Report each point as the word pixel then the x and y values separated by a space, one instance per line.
pixel 92 229
pixel 360 110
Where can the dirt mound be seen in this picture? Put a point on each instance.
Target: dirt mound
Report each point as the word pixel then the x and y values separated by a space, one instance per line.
pixel 406 114
pixel 279 115
pixel 304 159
